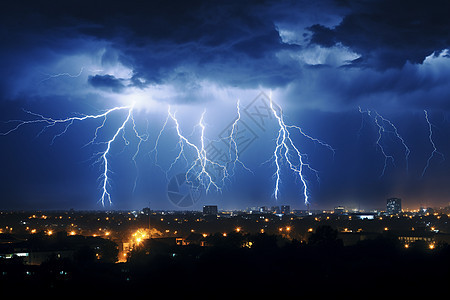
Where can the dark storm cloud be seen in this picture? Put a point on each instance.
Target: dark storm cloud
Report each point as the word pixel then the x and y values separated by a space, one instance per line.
pixel 108 82
pixel 233 42
pixel 389 33
pixel 320 58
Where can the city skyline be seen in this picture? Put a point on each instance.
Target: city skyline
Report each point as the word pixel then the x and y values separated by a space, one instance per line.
pixel 178 105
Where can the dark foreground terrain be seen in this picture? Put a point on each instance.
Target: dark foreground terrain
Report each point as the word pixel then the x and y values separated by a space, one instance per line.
pixel 239 265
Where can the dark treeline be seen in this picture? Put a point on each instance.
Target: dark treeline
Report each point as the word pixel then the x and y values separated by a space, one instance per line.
pixel 261 264
pixel 247 264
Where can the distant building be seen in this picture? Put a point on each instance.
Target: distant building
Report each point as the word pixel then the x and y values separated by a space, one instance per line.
pixel 364 216
pixel 339 210
pixel 275 209
pixel 285 209
pixel 394 206
pixel 210 210
pixel 146 211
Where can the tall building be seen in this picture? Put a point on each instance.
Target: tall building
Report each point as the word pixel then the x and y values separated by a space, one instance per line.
pixel 275 209
pixel 285 209
pixel 339 210
pixel 394 206
pixel 210 210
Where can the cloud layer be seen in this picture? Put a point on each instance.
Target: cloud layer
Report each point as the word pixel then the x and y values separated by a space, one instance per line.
pixel 321 60
pixel 315 51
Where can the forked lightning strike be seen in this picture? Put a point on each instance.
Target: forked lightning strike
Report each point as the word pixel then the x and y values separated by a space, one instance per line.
pixel 201 167
pixel 284 148
pixel 103 155
pixel 202 171
pixel 390 128
pixel 435 150
pixel 232 145
pixel 104 177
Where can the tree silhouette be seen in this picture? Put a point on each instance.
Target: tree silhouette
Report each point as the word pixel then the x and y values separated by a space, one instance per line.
pixel 325 236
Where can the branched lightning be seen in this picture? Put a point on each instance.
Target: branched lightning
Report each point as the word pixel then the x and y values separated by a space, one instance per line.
pixel 142 138
pixel 386 126
pixel 430 137
pixel 285 149
pixel 387 157
pixel 50 76
pixel 103 155
pixel 398 136
pixel 200 170
pixel 233 151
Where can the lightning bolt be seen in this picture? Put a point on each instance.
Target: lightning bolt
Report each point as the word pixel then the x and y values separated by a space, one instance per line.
pixel 430 137
pixel 399 137
pixel 387 157
pixel 142 138
pixel 50 76
pixel 103 155
pixel 232 145
pixel 390 128
pixel 200 169
pixel 286 150
pixel 203 171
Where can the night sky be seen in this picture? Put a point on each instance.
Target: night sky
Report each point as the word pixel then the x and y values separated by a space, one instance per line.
pixel 345 72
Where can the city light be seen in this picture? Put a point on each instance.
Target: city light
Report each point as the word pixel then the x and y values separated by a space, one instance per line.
pixel 139 236
pixel 180 148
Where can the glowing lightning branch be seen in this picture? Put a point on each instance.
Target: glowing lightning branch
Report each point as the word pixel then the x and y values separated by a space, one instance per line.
pixel 104 177
pixel 200 169
pixel 381 122
pixel 387 157
pixel 286 149
pixel 430 137
pixel 142 138
pixel 399 137
pixel 50 76
pixel 232 145
pixel 313 139
pixel 103 159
